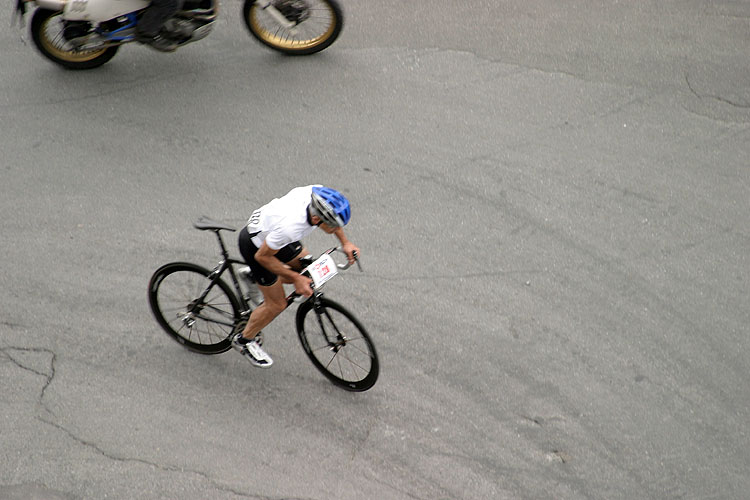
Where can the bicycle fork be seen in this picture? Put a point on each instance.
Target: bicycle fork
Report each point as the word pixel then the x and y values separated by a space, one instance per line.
pixel 341 340
pixel 320 312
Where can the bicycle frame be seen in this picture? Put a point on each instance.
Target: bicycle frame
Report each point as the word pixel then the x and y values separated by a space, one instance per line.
pixel 226 263
pixel 332 337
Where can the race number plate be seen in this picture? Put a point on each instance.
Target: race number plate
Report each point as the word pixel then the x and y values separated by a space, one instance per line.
pixel 322 270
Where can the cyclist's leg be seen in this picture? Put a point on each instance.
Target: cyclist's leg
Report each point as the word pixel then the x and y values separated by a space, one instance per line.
pixel 274 298
pixel 248 249
pixel 291 255
pixel 274 302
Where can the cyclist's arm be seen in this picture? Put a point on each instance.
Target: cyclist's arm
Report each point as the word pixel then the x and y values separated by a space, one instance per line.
pixel 347 246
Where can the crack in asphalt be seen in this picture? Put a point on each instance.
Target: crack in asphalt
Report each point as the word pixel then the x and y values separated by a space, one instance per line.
pixel 552 71
pixel 11 354
pixel 715 97
pixel 49 375
pixel 164 468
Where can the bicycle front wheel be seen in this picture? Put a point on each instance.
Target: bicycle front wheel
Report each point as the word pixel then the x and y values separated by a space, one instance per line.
pixel 337 344
pixel 201 325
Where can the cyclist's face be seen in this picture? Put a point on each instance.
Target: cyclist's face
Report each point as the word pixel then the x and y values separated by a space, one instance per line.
pixel 328 229
pixel 325 227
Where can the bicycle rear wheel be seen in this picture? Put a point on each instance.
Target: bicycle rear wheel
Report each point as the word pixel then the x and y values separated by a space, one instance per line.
pixel 203 326
pixel 337 344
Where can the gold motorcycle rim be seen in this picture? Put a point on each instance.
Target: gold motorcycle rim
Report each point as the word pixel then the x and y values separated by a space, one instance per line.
pixel 53 42
pixel 281 38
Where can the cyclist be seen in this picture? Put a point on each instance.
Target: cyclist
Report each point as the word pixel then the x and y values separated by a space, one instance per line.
pixel 270 244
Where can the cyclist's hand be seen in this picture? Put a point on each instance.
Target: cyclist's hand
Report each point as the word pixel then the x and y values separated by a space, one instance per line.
pixel 350 249
pixel 302 285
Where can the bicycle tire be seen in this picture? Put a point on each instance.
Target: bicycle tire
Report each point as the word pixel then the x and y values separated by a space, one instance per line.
pixel 350 362
pixel 174 288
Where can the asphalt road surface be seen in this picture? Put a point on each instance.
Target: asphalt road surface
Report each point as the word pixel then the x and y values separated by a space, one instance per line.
pixel 552 204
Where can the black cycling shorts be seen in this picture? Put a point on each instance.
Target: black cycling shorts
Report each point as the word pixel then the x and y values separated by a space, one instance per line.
pixel 262 275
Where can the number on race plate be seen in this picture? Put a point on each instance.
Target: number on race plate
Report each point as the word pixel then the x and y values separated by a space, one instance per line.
pixel 322 270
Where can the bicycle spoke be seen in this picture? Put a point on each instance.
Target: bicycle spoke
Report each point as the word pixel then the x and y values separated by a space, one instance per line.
pixel 339 365
pixel 170 310
pixel 216 332
pixel 201 326
pixel 354 346
pixel 342 353
pixel 321 348
pixel 349 362
pixel 353 363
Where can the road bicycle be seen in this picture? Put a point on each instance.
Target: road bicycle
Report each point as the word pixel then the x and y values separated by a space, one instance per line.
pixel 198 309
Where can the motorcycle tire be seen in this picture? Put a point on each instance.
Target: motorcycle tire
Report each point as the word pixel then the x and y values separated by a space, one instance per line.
pixel 46 32
pixel 317 24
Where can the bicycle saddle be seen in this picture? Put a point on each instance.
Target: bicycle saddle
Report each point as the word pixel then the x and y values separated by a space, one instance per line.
pixel 205 224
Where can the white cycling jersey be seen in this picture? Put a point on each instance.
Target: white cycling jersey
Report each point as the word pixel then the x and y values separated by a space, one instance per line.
pixel 282 220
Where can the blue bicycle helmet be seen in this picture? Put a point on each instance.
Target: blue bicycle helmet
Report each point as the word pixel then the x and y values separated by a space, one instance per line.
pixel 331 206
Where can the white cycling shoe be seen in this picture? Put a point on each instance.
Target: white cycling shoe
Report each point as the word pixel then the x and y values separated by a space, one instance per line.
pixel 252 350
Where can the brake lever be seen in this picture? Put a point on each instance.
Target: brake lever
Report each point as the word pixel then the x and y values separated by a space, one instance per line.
pixel 348 265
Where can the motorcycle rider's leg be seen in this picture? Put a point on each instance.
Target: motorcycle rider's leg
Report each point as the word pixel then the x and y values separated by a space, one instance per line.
pixel 149 28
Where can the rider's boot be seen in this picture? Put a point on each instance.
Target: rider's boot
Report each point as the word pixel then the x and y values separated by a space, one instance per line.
pixel 158 41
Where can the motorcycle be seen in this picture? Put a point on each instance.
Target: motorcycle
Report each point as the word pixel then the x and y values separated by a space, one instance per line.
pixel 84 34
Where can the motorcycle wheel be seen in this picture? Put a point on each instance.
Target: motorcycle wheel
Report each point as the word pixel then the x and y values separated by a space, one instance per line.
pixel 317 24
pixel 47 32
